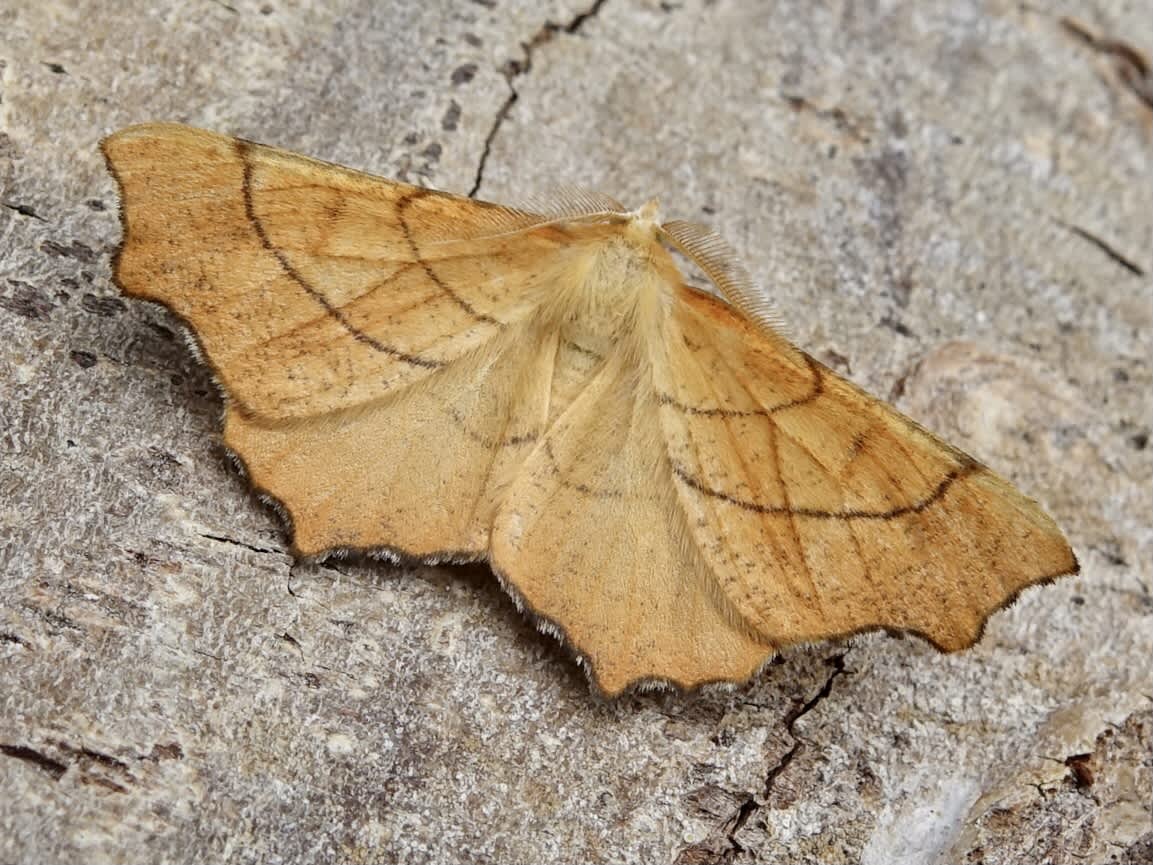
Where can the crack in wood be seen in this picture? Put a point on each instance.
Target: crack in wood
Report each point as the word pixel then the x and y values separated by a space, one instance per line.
pixel 514 69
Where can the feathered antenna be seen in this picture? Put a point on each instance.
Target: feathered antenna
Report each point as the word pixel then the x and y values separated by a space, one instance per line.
pixel 572 201
pixel 720 262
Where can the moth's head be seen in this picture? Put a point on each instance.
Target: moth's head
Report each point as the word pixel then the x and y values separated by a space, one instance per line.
pixel 645 221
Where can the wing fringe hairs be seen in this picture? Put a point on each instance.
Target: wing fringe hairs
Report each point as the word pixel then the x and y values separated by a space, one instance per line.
pixel 660 478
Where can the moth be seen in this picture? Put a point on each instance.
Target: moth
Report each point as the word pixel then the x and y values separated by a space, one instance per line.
pixel 652 471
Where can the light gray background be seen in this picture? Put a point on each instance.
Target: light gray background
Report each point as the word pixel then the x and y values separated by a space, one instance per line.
pixel 920 186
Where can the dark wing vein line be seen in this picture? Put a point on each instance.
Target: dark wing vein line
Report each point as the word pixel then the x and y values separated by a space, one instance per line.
pixel 815 391
pixel 938 493
pixel 372 289
pixel 401 205
pixel 504 440
pixel 291 272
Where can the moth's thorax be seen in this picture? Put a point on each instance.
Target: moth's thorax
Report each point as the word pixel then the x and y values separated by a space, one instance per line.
pixel 617 280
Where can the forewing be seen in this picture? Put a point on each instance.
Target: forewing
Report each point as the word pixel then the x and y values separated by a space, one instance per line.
pixel 311 287
pixel 821 510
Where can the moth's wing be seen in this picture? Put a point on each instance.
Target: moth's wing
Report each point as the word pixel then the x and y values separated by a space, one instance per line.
pixel 418 475
pixel 824 512
pixel 590 536
pixel 310 287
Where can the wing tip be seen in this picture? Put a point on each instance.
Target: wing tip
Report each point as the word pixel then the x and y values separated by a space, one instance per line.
pixel 106 145
pixel 949 643
pixel 155 129
pixel 115 161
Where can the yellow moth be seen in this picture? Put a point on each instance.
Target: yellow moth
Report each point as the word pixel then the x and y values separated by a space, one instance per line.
pixel 651 471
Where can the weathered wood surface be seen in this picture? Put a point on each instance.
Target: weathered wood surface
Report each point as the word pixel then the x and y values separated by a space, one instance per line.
pixel 953 202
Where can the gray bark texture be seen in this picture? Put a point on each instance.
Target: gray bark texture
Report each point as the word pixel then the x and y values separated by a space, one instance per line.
pixel 952 204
